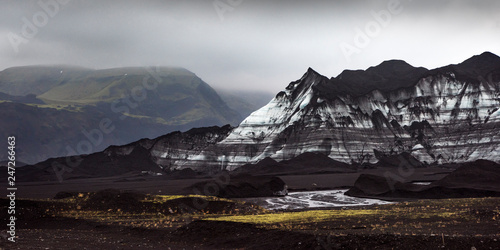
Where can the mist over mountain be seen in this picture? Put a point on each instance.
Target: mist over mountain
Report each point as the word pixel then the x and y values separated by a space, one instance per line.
pixel 60 110
pixel 244 101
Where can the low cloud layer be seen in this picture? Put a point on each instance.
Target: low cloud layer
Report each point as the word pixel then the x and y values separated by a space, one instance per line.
pixel 261 45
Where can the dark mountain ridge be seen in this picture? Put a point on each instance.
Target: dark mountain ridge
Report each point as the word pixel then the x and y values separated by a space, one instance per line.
pixel 391 75
pixel 483 67
pixel 387 76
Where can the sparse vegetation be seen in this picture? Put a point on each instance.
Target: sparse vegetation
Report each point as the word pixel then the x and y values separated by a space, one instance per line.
pixel 451 216
pixel 133 209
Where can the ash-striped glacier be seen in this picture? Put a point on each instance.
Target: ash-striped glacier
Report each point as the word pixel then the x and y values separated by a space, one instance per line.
pixel 449 114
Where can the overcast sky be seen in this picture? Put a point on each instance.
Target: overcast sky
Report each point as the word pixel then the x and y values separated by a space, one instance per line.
pixel 261 45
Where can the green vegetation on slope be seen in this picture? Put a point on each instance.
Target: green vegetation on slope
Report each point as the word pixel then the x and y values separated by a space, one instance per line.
pixel 140 102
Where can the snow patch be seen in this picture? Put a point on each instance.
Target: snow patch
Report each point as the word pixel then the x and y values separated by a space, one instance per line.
pixel 306 101
pixel 496 114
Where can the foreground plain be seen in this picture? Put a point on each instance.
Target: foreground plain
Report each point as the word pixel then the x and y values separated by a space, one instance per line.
pixel 130 220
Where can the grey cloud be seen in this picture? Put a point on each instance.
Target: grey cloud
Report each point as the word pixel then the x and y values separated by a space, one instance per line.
pixel 258 44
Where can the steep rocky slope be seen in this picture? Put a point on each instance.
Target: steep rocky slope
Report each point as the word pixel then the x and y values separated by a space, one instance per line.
pixel 448 114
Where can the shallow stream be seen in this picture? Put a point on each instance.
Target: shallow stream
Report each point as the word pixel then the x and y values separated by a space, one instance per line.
pixel 314 199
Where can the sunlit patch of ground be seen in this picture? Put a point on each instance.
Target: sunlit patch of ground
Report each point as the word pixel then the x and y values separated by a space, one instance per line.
pixel 479 216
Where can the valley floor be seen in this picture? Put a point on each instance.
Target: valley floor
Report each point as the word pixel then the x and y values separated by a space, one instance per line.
pixel 155 212
pixel 164 185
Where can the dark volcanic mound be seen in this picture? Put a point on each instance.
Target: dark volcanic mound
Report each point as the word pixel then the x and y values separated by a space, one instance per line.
pixel 481 174
pixel 243 186
pixel 473 179
pixel 306 163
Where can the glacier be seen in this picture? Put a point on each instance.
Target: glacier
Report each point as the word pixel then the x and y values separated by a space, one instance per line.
pixel 449 114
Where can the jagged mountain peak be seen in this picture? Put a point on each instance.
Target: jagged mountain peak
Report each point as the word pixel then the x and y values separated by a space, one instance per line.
pixel 308 81
pixel 387 76
pixel 309 76
pixel 390 75
pixel 312 71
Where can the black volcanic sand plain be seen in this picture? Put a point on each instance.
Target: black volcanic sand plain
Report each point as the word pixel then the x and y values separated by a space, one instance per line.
pixel 137 181
pixel 180 210
pixel 140 211
pixel 115 219
pixel 306 172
